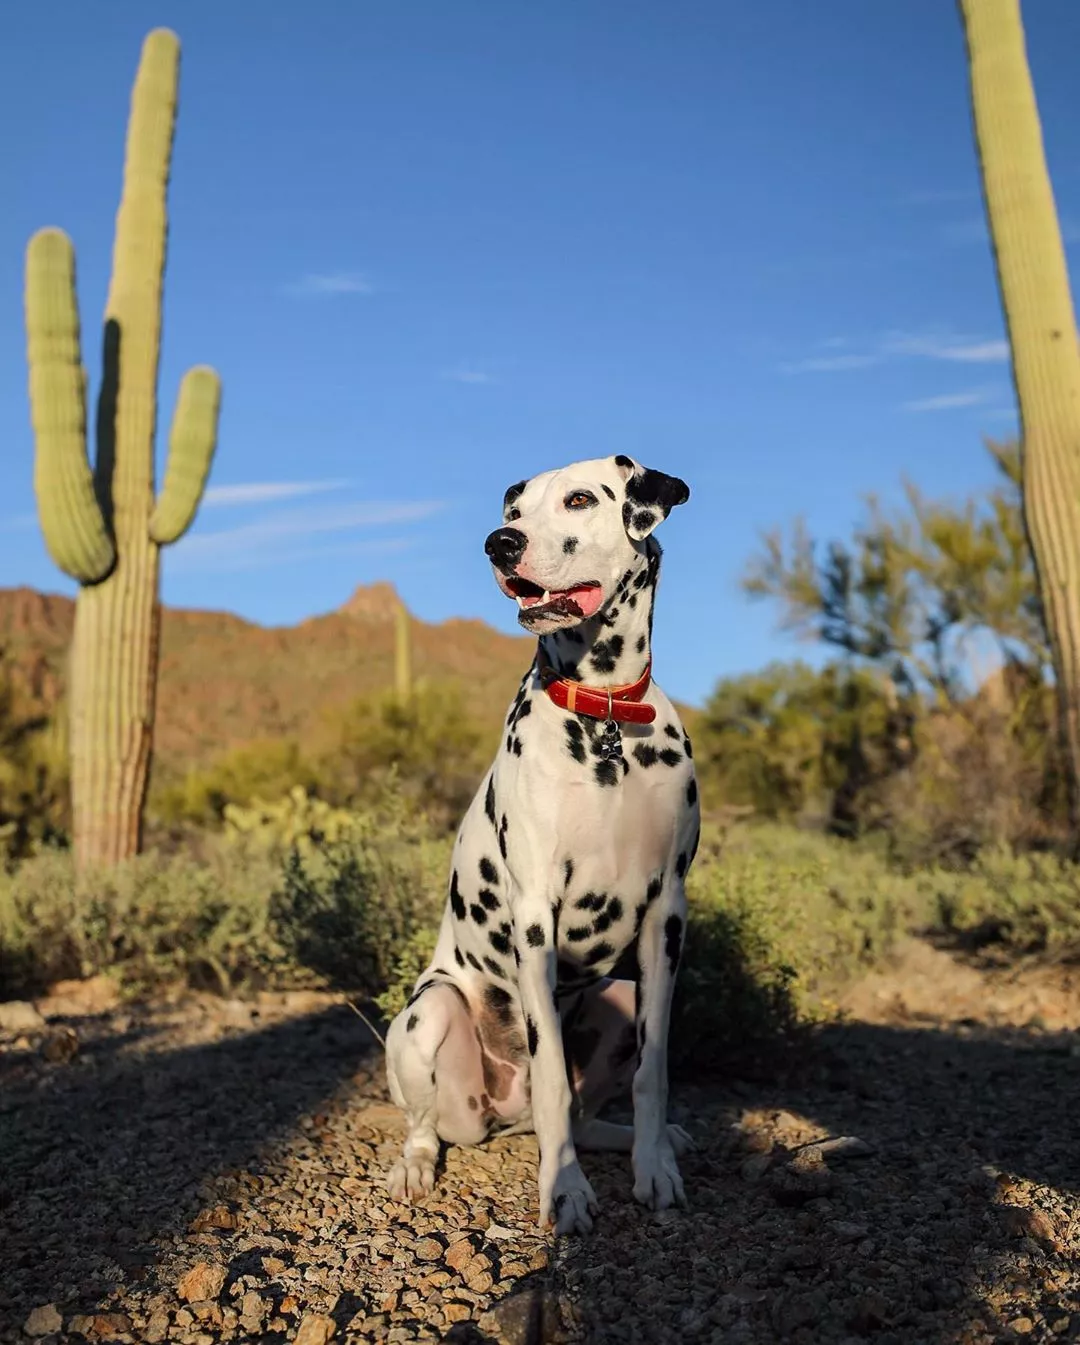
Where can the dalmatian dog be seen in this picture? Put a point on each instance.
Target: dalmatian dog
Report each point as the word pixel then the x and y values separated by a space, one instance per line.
pixel 572 858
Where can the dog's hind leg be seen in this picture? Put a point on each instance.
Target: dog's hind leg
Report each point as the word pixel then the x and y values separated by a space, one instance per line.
pixel 433 1067
pixel 657 1183
pixel 614 1138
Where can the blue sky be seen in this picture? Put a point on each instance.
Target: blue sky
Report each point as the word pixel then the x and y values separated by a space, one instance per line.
pixel 435 247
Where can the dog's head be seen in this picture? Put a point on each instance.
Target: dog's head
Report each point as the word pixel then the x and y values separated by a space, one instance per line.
pixel 569 535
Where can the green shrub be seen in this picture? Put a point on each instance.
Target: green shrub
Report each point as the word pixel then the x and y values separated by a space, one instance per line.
pixel 258 770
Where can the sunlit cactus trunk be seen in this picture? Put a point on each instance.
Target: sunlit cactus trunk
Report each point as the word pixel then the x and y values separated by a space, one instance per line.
pixel 103 525
pixel 1034 284
pixel 403 679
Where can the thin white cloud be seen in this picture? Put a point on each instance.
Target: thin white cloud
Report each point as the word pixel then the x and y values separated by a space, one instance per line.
pixel 467 374
pixel 830 364
pixel 959 350
pixel 263 492
pixel 949 401
pixel 18 522
pixel 328 283
pixel 267 538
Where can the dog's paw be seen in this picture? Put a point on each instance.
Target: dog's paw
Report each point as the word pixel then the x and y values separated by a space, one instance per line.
pixel 680 1141
pixel 567 1200
pixel 657 1184
pixel 411 1178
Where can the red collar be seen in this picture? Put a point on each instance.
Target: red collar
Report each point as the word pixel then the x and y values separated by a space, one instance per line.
pixel 623 704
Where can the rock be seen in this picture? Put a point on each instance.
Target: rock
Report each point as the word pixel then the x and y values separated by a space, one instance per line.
pixel 61 1045
pixel 203 1281
pixel 517 1319
pixel 842 1148
pixel 80 999
pixel 1022 1222
pixel 459 1255
pixel 102 1326
pixel 752 1169
pixel 220 1217
pixel 157 1328
pixel 315 1328
pixel 427 1249
pixel 43 1321
pixel 457 1312
pixel 19 1015
pixel 1023 1326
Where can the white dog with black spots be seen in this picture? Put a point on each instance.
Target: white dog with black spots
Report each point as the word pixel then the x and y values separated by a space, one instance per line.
pixel 572 857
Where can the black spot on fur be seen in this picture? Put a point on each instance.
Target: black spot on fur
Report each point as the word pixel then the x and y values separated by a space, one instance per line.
pixel 605 654
pixel 574 739
pixel 643 519
pixel 671 730
pixel 502 835
pixel 569 546
pixel 515 747
pixel 691 793
pixel 534 936
pixel 645 754
pixel 532 1035
pixel 509 742
pixel 591 901
pixel 655 888
pixel 489 800
pixel 501 1003
pixel 457 902
pixel 673 941
pixel 472 1102
pixel 494 968
pixel 517 957
pixel 688 747
pixel 681 865
pixel 670 757
pixel 473 962
pixel 411 1022
pixel 478 913
pixel 488 899
pixel 599 952
pixel 568 870
pixel 641 644
pixel 602 922
pixel 488 871
pixel 607 491
pixel 606 772
pixel 615 909
pixel 639 916
pixel 500 942
pixel 459 957
pixel 578 933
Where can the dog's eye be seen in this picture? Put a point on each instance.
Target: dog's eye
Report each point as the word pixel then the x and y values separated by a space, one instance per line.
pixel 580 499
pixel 513 515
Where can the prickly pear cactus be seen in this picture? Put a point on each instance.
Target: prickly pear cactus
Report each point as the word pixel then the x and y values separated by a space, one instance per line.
pixel 297 821
pixel 102 523
pixel 1033 279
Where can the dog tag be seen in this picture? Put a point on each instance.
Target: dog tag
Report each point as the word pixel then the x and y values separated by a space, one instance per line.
pixel 610 742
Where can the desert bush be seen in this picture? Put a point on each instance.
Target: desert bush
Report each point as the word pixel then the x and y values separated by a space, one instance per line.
pixel 428 743
pixel 259 770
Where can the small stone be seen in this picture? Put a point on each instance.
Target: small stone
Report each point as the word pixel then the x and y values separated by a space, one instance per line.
pixel 19 1015
pixel 203 1281
pixel 1023 1326
pixel 500 1233
pixel 253 1307
pixel 315 1328
pixel 459 1255
pixel 44 1320
pixel 457 1312
pixel 157 1328
pixel 80 999
pixel 843 1147
pixel 60 1046
pixel 427 1249
pixel 185 1318
pixel 218 1217
pixel 752 1169
pixel 1060 1325
pixel 273 1265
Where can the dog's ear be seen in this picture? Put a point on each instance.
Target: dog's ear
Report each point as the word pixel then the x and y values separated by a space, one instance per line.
pixel 650 496
pixel 511 495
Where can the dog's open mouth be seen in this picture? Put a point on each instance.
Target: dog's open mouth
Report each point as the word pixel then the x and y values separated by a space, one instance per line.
pixel 581 601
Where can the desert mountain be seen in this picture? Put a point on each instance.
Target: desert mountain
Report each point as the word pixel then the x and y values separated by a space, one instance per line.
pixel 226 681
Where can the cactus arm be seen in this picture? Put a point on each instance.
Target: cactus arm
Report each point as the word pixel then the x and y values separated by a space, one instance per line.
pixel 1033 281
pixel 71 518
pixel 191 451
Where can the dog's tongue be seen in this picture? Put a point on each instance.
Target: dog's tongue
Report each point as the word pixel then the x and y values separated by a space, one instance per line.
pixel 581 601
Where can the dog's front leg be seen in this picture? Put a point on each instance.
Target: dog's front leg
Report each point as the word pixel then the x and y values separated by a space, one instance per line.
pixel 657 1182
pixel 565 1194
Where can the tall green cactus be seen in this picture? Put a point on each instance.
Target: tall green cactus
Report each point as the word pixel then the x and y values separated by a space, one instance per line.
pixel 403 679
pixel 1033 280
pixel 103 525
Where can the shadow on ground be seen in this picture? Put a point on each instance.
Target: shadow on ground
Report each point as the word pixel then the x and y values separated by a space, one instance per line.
pixel 101 1157
pixel 961 1226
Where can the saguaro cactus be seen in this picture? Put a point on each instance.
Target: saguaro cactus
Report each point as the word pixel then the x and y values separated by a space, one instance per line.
pixel 403 681
pixel 102 524
pixel 1034 284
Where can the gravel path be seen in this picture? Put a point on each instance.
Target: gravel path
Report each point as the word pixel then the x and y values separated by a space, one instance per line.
pixel 209 1170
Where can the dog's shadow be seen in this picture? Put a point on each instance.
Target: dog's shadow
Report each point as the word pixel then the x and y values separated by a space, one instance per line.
pixel 901 1245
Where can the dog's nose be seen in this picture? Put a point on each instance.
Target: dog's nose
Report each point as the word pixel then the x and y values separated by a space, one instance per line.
pixel 505 547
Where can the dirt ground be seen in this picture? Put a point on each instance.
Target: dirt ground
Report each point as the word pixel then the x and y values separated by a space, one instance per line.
pixel 206 1170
